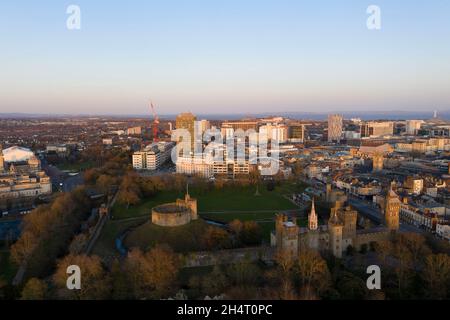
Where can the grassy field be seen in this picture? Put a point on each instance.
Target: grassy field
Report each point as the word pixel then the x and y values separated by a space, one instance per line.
pixel 222 205
pixel 241 199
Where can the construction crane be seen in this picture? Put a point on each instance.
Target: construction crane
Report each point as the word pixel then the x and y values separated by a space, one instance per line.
pixel 155 123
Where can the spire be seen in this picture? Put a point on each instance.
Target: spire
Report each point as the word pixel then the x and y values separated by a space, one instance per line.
pixel 312 218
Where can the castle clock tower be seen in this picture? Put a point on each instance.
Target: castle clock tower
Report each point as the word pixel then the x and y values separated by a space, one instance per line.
pixel 392 210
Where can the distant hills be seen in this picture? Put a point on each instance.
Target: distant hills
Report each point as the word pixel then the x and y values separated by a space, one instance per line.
pixel 373 115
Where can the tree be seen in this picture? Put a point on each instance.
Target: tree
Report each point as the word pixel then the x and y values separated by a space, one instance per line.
pixel 243 273
pixel 104 183
pixel 129 192
pixel 416 244
pixel 214 284
pixel 34 289
pixel 403 267
pixel 94 280
pixel 313 272
pixel 153 274
pixel 350 286
pixel 436 276
pixel 383 250
pixel 247 233
pixel 284 274
pixel 119 282
pixel 216 238
pixel 90 176
pixel 251 233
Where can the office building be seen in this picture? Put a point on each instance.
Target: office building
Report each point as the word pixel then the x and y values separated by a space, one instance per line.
pixel 335 123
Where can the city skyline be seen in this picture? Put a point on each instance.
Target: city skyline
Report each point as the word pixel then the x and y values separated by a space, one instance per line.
pixel 233 58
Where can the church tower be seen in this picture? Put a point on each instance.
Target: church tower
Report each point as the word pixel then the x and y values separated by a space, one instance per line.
pixel 335 228
pixel 2 160
pixel 392 210
pixel 312 218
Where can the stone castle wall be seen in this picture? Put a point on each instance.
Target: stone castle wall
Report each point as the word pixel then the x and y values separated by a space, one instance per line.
pixel 162 216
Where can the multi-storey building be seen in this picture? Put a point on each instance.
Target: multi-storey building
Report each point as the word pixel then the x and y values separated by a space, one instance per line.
pixel 153 156
pixel 335 123
pixel 186 121
pixel 377 129
pixel 413 126
pixel 296 133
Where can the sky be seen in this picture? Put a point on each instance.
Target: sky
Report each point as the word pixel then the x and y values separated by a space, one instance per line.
pixel 223 56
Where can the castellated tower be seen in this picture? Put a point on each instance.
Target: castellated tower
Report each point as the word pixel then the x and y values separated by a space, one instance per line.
pixel 286 235
pixel 349 217
pixel 191 203
pixel 392 210
pixel 335 229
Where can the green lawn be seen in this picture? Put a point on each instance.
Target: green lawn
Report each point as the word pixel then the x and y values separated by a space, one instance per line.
pixel 228 199
pixel 222 205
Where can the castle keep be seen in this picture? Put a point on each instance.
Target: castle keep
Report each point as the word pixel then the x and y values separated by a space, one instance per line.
pixel 175 214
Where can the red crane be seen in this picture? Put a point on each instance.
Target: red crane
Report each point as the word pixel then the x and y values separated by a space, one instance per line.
pixel 155 123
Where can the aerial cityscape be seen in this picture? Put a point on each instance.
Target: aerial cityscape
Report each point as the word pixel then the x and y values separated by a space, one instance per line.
pixel 194 184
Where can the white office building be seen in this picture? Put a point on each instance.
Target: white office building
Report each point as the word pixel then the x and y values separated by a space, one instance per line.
pixel 153 156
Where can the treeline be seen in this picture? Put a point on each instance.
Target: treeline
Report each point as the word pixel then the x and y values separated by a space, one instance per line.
pixel 142 275
pixel 48 230
pixel 409 271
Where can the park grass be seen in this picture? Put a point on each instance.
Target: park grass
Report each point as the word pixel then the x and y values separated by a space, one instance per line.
pixel 7 268
pixel 181 239
pixel 237 199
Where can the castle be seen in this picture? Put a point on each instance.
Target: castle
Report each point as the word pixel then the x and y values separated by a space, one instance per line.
pixel 339 234
pixel 179 213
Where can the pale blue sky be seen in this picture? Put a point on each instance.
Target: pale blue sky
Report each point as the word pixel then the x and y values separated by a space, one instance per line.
pixel 223 56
